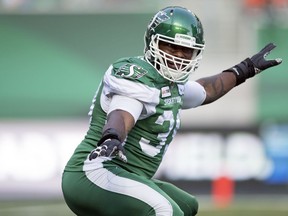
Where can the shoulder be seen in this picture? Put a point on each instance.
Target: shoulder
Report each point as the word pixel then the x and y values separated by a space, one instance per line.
pixel 136 69
pixel 131 77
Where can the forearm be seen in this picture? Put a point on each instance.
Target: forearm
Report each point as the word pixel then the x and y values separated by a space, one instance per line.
pixel 121 121
pixel 113 135
pixel 218 85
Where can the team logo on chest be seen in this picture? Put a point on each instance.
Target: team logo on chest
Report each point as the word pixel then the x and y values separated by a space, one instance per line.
pixel 165 92
pixel 168 98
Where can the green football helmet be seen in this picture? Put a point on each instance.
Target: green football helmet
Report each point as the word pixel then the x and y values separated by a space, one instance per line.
pixel 178 26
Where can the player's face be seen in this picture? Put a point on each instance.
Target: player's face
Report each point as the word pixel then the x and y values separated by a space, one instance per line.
pixel 175 50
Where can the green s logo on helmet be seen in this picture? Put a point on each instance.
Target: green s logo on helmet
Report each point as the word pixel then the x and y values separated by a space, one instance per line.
pixel 177 26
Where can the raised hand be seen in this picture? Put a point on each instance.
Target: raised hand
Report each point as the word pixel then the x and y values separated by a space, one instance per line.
pixel 261 63
pixel 254 65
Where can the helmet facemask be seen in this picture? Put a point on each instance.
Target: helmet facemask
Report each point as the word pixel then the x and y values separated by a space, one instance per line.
pixel 171 67
pixel 172 27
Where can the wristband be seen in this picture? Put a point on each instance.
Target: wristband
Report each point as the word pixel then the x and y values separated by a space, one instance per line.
pixel 109 133
pixel 242 71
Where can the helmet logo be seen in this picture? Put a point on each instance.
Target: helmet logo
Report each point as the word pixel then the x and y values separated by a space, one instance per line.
pixel 160 17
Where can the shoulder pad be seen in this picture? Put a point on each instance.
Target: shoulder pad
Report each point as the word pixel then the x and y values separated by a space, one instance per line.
pixel 137 69
pixel 130 71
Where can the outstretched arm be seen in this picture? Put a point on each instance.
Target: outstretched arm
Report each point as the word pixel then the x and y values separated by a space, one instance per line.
pixel 218 85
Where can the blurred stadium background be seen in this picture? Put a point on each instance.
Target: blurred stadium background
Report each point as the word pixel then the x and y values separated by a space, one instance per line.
pixel 232 154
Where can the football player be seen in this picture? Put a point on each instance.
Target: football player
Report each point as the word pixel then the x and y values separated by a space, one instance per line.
pixel 135 115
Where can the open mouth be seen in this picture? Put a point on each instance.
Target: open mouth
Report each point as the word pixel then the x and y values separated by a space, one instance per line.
pixel 171 64
pixel 175 65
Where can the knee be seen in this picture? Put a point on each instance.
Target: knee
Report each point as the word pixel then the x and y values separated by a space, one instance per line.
pixel 164 209
pixel 190 206
pixel 194 205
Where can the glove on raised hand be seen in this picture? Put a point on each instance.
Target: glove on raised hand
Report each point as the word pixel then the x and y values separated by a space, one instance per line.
pixel 254 65
pixel 109 146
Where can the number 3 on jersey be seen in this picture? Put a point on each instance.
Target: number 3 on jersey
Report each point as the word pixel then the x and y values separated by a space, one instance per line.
pixel 174 125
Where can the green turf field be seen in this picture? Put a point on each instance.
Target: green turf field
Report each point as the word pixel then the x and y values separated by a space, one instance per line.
pixel 245 206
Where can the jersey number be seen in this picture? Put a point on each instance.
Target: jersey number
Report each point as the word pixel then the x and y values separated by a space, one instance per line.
pixel 167 116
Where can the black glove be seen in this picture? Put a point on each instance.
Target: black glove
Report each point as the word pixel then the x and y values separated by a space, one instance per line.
pixel 254 65
pixel 109 146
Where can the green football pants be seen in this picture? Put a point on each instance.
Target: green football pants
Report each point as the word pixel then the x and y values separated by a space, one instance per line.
pixel 114 191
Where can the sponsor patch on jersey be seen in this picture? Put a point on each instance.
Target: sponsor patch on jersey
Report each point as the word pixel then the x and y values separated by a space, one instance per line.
pixel 181 89
pixel 131 71
pixel 165 92
pixel 173 100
